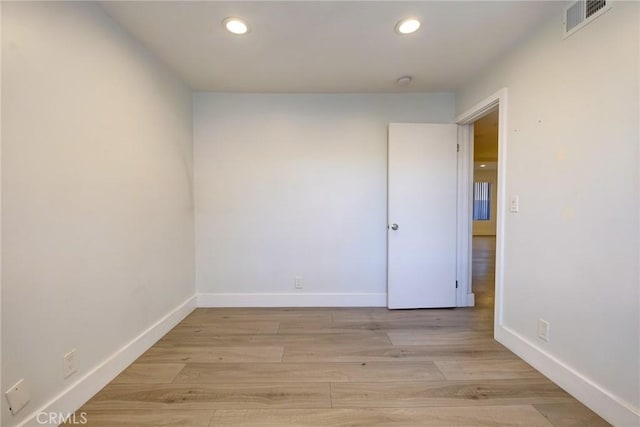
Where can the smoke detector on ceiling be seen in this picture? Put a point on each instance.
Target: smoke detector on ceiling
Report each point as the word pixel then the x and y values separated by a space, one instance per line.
pixel 404 81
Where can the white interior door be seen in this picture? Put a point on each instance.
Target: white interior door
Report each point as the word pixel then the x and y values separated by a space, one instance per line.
pixel 422 194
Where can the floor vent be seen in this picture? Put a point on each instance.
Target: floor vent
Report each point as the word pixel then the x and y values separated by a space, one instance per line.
pixel 582 12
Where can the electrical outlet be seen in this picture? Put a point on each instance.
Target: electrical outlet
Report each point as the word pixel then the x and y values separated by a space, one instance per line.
pixel 298 282
pixel 543 330
pixel 18 396
pixel 70 363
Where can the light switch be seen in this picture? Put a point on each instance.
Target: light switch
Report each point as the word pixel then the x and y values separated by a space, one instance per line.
pixel 514 204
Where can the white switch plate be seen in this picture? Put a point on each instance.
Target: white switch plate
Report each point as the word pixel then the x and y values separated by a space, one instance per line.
pixel 18 396
pixel 514 204
pixel 543 330
pixel 298 282
pixel 70 363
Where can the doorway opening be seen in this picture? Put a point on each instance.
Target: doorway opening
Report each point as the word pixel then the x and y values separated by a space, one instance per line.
pixel 489 252
pixel 484 209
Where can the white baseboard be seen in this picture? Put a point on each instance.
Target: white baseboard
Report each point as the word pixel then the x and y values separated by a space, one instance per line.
pixel 293 300
pixel 610 407
pixel 471 300
pixel 93 381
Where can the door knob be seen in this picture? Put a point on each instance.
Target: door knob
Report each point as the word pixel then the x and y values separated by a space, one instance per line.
pixel 394 227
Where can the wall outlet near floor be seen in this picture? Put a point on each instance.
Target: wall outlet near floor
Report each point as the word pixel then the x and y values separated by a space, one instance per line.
pixel 543 330
pixel 70 363
pixel 298 282
pixel 18 396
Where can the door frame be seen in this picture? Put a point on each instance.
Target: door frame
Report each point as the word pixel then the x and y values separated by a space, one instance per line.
pixel 465 296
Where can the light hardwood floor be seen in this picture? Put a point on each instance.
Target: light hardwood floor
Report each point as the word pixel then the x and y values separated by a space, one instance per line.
pixel 338 367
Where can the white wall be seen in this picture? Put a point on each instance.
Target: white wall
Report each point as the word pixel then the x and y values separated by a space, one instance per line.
pixel 295 185
pixel 487 228
pixel 572 251
pixel 97 218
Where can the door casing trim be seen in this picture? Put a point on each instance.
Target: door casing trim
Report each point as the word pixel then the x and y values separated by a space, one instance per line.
pixel 465 182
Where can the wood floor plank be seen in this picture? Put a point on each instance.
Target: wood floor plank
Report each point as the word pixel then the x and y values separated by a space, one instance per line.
pixel 446 393
pixel 250 311
pixel 520 416
pixel 226 327
pixel 349 353
pixel 200 354
pixel 570 414
pixel 486 369
pixel 150 418
pixel 430 337
pixel 206 316
pixel 118 397
pixel 292 327
pixel 458 316
pixel 149 373
pixel 307 372
pixel 206 339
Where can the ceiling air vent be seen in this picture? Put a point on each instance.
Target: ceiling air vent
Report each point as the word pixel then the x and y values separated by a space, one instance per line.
pixel 580 13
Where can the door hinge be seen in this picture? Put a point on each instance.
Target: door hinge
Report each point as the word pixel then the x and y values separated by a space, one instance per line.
pixel 457 148
pixel 456 284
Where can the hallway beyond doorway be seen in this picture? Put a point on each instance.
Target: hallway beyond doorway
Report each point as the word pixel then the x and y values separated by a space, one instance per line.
pixel 483 271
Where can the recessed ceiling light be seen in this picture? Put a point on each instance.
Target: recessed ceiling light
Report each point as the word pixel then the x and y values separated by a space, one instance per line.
pixel 483 165
pixel 404 81
pixel 236 26
pixel 407 26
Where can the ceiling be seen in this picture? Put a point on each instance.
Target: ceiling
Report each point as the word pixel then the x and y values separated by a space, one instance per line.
pixel 328 46
pixel 485 138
